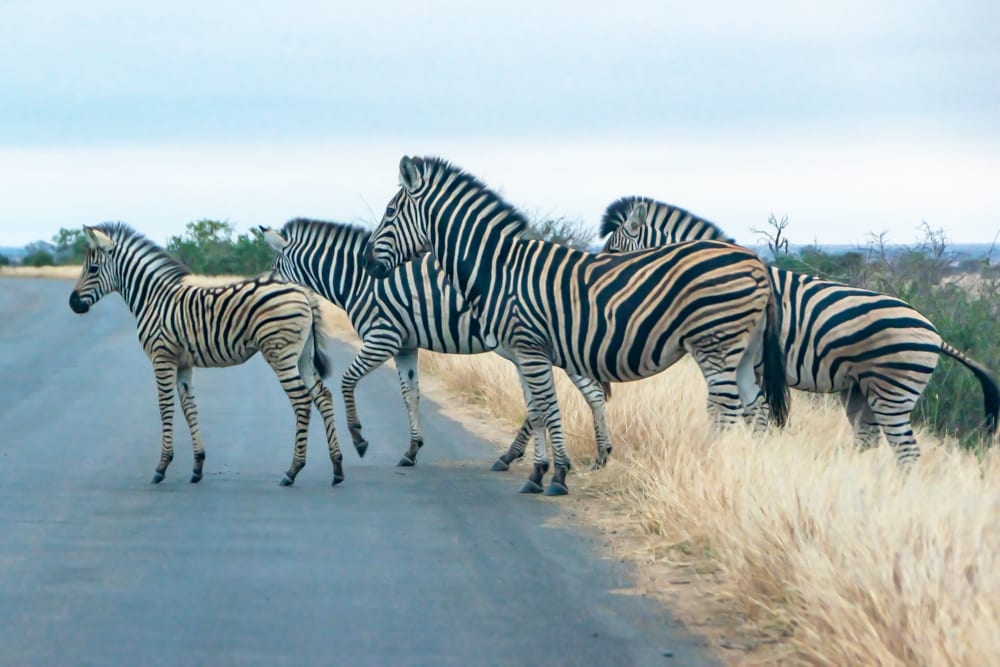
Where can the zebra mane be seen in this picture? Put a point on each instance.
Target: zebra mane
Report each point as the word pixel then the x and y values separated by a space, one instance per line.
pixel 617 213
pixel 139 244
pixel 439 168
pixel 298 226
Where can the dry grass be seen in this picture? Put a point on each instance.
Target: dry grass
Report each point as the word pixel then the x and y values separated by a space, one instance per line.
pixel 60 272
pixel 831 554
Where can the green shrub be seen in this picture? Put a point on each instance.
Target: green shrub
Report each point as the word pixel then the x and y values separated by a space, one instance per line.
pixel 209 247
pixel 38 258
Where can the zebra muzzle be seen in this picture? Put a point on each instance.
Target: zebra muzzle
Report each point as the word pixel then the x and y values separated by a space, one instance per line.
pixel 77 304
pixel 373 266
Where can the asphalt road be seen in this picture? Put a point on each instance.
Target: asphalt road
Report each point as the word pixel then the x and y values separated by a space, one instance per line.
pixel 442 564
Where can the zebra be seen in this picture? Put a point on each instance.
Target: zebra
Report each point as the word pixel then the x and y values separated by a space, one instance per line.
pixel 611 318
pixel 875 350
pixel 182 326
pixel 416 309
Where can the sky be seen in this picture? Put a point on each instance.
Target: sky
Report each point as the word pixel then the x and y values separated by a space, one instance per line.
pixel 850 117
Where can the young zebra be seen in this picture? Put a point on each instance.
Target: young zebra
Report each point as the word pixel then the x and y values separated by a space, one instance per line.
pixel 415 309
pixel 612 318
pixel 874 349
pixel 182 326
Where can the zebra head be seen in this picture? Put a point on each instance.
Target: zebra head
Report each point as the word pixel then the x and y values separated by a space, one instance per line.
pixel 637 223
pixel 402 234
pixel 97 276
pixel 628 235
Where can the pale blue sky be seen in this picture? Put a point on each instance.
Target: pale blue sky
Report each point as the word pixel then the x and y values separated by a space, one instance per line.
pixel 863 116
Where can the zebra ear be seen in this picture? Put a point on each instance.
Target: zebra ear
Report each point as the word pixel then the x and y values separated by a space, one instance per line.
pixel 637 216
pixel 98 239
pixel 409 174
pixel 273 238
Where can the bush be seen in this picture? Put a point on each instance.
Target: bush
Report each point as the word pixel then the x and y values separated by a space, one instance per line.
pixel 38 254
pixel 4 260
pixel 562 230
pixel 208 247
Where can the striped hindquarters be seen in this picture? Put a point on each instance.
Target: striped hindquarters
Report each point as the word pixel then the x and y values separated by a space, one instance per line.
pixel 835 336
pixel 625 317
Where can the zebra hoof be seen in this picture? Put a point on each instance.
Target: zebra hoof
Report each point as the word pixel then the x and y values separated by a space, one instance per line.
pixel 361 447
pixel 556 489
pixel 157 477
pixel 337 479
pixel 500 466
pixel 195 477
pixel 406 462
pixel 531 487
pixel 287 481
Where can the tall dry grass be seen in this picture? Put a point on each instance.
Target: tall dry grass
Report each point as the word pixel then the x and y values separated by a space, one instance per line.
pixel 834 552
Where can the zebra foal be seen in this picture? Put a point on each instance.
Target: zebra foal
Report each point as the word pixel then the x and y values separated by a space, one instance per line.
pixel 614 318
pixel 875 350
pixel 182 326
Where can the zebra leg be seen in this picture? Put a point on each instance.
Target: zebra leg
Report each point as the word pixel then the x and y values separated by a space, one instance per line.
pixel 751 393
pixel 373 353
pixel 545 411
pixel 866 428
pixel 593 393
pixel 185 388
pixel 893 416
pixel 719 361
pixel 166 379
pixel 536 425
pixel 323 400
pixel 298 393
pixel 409 385
pixel 516 449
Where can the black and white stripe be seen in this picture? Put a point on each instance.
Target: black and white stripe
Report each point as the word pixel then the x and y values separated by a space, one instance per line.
pixel 413 309
pixel 874 349
pixel 613 318
pixel 182 326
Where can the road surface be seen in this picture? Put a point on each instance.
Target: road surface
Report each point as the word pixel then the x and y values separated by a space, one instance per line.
pixel 442 564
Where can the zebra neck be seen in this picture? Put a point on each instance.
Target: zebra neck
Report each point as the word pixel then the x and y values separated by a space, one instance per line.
pixel 348 282
pixel 146 286
pixel 474 262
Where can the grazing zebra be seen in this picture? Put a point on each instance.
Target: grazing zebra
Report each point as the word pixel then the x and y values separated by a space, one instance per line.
pixel 182 326
pixel 876 350
pixel 416 309
pixel 612 318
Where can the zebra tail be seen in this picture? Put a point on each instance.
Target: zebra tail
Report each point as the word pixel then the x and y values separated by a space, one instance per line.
pixel 606 386
pixel 774 376
pixel 991 390
pixel 321 362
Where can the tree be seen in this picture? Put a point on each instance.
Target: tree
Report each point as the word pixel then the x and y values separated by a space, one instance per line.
pixel 38 253
pixel 71 246
pixel 208 247
pixel 4 260
pixel 775 237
